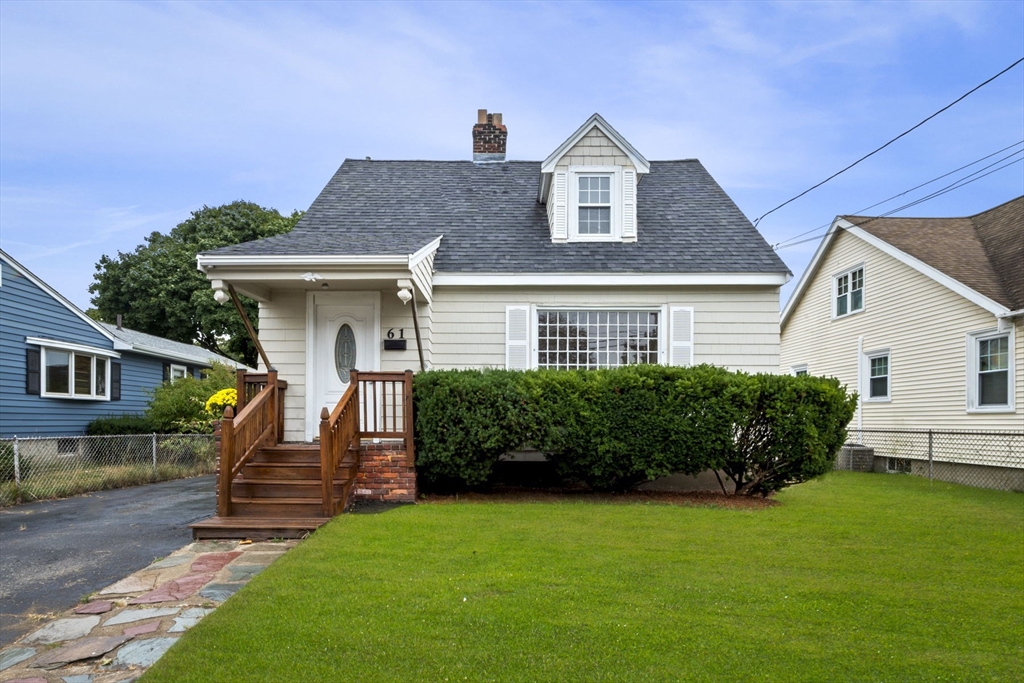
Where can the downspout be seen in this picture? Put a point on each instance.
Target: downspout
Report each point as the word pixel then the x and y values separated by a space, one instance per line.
pixel 860 388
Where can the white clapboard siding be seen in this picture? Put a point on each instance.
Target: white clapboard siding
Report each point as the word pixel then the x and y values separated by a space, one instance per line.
pixel 517 337
pixel 560 226
pixel 628 205
pixel 681 328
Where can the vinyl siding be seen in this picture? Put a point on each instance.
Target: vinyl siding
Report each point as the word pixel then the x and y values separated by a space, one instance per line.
pixel 283 335
pixel 593 149
pixel 734 327
pixel 922 323
pixel 464 327
pixel 26 310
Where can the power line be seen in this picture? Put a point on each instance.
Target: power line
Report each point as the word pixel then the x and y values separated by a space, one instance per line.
pixel 909 130
pixel 949 188
pixel 783 243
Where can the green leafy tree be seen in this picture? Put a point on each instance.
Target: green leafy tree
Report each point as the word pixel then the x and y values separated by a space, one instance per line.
pixel 158 290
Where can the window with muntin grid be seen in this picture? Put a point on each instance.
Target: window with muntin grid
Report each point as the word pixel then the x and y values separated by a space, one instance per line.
pixel 596 339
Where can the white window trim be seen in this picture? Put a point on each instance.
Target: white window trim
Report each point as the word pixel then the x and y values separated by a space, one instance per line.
pixel 866 378
pixel 973 339
pixel 835 292
pixel 93 354
pixel 178 368
pixel 795 370
pixel 69 346
pixel 663 333
pixel 573 200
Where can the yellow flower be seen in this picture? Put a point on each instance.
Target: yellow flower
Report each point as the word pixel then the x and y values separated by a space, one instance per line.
pixel 225 397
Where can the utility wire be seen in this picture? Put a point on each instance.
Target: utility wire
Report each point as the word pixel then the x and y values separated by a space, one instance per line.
pixel 869 154
pixel 949 188
pixel 895 196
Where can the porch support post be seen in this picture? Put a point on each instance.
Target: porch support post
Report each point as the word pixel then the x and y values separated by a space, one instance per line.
pixel 227 450
pixel 249 328
pixel 416 326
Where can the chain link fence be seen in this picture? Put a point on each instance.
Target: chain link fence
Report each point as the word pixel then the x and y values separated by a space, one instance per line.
pixel 57 467
pixel 987 459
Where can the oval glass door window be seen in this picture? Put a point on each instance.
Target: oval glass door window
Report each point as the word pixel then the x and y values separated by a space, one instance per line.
pixel 345 352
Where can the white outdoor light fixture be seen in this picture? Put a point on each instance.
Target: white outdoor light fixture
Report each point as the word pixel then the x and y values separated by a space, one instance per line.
pixel 221 297
pixel 405 295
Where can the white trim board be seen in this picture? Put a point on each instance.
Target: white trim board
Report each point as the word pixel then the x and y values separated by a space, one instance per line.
pixel 607 279
pixel 597 121
pixel 70 346
pixel 920 266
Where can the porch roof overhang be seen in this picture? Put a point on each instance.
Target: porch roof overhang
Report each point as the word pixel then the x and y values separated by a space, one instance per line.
pixel 257 275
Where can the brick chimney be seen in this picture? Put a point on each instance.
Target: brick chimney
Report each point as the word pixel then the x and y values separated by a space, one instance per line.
pixel 489 137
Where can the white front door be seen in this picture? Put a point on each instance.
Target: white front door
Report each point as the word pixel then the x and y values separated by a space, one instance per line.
pixel 344 328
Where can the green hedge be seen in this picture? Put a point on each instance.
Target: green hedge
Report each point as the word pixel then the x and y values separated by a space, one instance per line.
pixel 121 424
pixel 613 429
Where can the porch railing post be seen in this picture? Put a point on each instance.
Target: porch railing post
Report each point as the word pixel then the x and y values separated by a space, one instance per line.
pixel 275 436
pixel 353 379
pixel 227 450
pixel 240 389
pixel 326 463
pixel 410 443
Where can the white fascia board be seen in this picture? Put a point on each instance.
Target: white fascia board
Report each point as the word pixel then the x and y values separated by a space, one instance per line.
pixel 56 295
pixel 638 160
pixel 206 262
pixel 810 271
pixel 609 279
pixel 920 266
pixel 69 346
pixel 424 252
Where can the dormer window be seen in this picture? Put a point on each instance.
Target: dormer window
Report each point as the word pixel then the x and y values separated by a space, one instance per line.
pixel 595 205
pixel 590 186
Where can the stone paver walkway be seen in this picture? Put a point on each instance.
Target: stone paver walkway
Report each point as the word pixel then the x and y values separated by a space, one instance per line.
pixel 126 627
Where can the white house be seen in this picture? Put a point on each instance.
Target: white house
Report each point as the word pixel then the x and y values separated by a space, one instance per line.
pixel 593 257
pixel 922 317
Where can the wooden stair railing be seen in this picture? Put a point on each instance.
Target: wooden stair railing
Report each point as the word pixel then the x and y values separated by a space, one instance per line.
pixel 376 405
pixel 339 437
pixel 256 425
pixel 386 408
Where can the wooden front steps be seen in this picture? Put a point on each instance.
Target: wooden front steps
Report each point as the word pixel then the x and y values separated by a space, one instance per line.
pixel 278 494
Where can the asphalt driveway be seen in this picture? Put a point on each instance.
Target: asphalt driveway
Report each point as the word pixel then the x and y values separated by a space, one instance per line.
pixel 54 552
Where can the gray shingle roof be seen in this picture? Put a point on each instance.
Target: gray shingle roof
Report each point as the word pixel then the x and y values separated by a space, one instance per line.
pixel 492 222
pixel 198 355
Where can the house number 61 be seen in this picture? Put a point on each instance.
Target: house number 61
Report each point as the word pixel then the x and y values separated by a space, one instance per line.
pixel 401 333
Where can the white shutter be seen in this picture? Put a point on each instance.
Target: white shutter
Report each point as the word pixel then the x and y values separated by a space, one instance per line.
pixel 681 329
pixel 560 228
pixel 628 205
pixel 517 337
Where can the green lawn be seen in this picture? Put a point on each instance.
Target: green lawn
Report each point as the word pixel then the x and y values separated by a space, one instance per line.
pixel 854 577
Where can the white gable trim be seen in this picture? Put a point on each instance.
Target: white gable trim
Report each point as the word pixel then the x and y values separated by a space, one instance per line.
pixel 596 121
pixel 57 297
pixel 607 279
pixel 920 266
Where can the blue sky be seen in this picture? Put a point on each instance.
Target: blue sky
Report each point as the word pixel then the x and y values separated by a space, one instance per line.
pixel 118 119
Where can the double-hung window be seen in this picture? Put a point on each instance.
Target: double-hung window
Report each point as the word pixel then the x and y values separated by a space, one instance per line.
pixel 990 372
pixel 848 292
pixel 877 376
pixel 595 204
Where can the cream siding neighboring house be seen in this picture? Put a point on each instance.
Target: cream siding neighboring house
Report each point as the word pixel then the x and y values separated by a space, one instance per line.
pixel 633 262
pixel 930 288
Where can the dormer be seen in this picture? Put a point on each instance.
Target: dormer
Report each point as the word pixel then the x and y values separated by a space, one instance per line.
pixel 589 185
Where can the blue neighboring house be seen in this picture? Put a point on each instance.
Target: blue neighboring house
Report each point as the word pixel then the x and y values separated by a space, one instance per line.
pixel 60 369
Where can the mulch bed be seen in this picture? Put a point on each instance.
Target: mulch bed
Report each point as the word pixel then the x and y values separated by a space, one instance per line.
pixel 531 495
